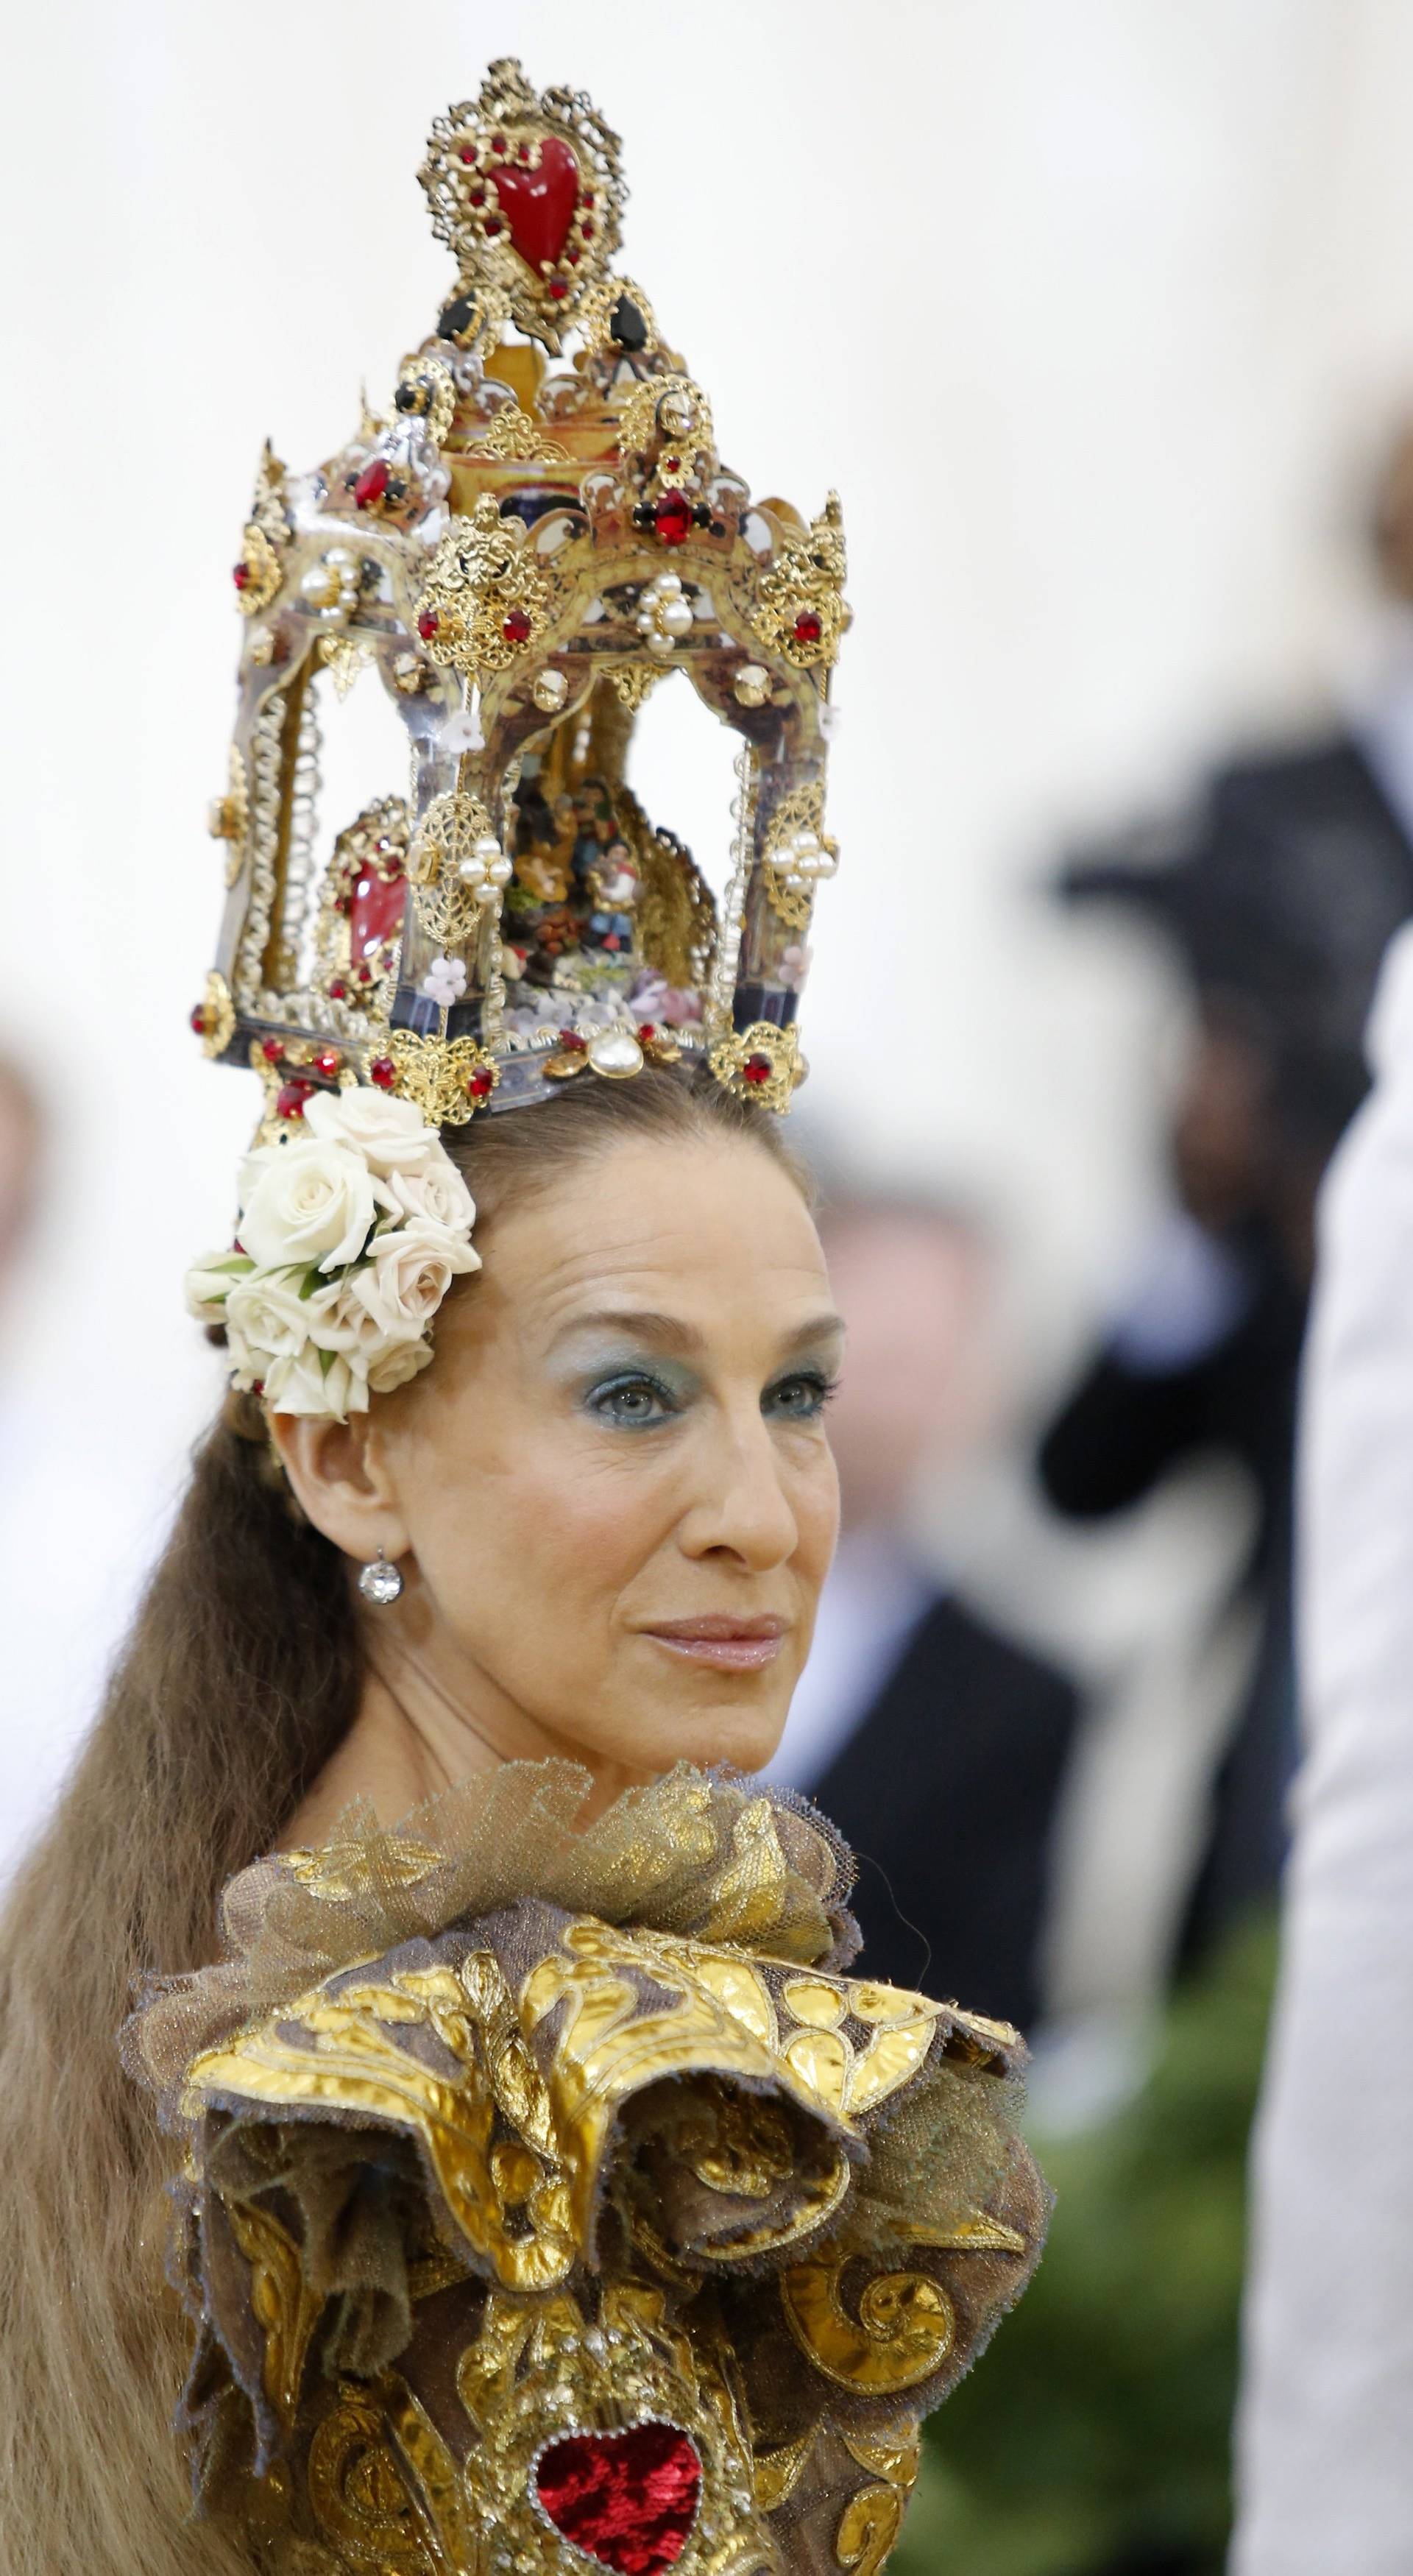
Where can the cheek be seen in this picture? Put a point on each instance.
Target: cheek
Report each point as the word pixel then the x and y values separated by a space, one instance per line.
pixel 816 1504
pixel 548 1522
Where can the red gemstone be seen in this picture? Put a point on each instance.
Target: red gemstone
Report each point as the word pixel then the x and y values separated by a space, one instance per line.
pixel 375 915
pixel 647 1033
pixel 538 205
pixel 586 232
pixel 478 196
pixel 198 1019
pixel 338 990
pixel 627 2499
pixel 291 1097
pixel 571 1039
pixel 571 259
pixel 808 628
pixel 522 151
pixel 558 287
pixel 516 628
pixel 467 155
pixel 242 576
pixel 588 201
pixel 327 1062
pixel 383 1071
pixel 672 464
pixel 673 515
pixel 272 1049
pixel 482 1083
pixel 757 1068
pixel 372 483
pixel 492 227
pixel 427 624
pixel 497 142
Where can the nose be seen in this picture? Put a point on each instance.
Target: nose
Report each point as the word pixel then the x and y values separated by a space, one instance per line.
pixel 740 1506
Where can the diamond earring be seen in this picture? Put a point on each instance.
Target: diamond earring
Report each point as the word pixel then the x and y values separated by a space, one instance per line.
pixel 378 1581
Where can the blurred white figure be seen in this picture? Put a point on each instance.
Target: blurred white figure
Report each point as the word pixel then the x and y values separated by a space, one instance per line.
pixel 1326 2424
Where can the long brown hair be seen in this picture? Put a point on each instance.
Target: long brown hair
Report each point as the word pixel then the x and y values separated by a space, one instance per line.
pixel 241 1674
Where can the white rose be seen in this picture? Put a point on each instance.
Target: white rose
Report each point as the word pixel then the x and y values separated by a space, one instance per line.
pixel 396 1363
pixel 247 1367
pixel 438 1196
pixel 210 1281
pixel 306 1385
pixel 338 1320
pixel 313 1203
pixel 409 1275
pixel 390 1135
pixel 269 1314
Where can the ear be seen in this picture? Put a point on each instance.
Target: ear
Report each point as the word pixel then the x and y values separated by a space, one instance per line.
pixel 340 1475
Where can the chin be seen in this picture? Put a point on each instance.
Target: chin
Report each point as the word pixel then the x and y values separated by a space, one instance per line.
pixel 746 1738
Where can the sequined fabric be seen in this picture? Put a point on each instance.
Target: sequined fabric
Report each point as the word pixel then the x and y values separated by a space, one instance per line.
pixel 553 2199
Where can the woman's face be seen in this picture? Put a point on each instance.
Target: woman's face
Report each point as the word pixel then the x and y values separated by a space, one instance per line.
pixel 618 1499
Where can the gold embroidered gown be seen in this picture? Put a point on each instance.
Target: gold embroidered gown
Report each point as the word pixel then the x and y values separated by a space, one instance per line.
pixel 553 2201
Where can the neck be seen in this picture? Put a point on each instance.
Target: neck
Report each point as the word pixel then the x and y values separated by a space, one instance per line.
pixel 421 1729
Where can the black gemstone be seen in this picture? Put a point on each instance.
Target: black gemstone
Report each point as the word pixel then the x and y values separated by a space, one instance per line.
pixel 718 527
pixel 396 489
pixel 702 515
pixel 626 325
pixel 408 397
pixel 458 317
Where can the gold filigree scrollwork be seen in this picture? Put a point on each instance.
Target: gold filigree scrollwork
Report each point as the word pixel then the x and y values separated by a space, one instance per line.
pixel 342 1870
pixel 595 315
pixel 217 1016
pixel 458 869
pixel 800 610
pixel 448 1079
pixel 259 572
pixel 487 595
pixel 799 855
pixel 633 681
pixel 514 438
pixel 427 392
pixel 343 658
pixel 282 2300
pixel 666 410
pixel 229 815
pixel 761 1063
pixel 902 2334
pixel 868 2528
pixel 361 2498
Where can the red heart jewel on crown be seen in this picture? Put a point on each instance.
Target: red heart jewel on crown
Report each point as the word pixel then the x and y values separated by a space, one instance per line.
pixel 628 2499
pixel 538 205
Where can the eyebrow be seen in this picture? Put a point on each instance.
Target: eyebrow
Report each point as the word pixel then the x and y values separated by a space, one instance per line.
pixel 670 1333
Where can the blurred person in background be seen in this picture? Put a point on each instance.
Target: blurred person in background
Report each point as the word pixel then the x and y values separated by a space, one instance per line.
pixel 937 1742
pixel 1280 903
pixel 1326 2464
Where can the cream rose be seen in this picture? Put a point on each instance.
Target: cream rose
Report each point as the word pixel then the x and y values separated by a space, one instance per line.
pixel 438 1196
pixel 338 1320
pixel 269 1313
pixel 389 1135
pixel 408 1276
pixel 313 1205
pixel 209 1283
pixel 396 1363
pixel 311 1384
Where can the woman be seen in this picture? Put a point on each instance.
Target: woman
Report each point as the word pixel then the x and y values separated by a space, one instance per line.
pixel 546 2194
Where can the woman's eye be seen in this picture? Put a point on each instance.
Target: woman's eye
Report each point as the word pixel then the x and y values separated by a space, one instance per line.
pixel 632 1400
pixel 799 1399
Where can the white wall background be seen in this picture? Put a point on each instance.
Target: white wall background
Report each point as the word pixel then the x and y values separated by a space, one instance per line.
pixel 1094 310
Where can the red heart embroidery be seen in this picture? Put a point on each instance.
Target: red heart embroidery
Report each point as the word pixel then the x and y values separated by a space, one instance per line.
pixel 538 205
pixel 629 2499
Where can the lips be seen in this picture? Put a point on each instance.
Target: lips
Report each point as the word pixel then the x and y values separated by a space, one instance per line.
pixel 722 1639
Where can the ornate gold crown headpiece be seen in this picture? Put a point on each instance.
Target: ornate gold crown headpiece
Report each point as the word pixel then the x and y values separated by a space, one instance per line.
pixel 516 556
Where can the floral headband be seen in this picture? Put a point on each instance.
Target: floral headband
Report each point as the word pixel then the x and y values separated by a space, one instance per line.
pixel 348 1241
